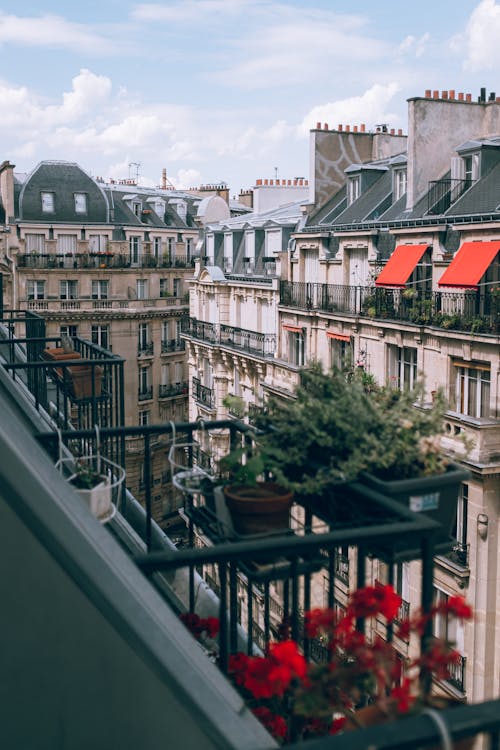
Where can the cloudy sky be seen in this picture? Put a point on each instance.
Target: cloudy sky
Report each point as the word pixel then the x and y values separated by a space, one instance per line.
pixel 224 89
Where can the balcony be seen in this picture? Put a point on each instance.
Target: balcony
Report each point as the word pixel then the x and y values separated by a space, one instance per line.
pixel 172 345
pixel 81 389
pixel 253 342
pixel 86 304
pixel 457 674
pixel 203 394
pixel 101 261
pixel 145 349
pixel 465 310
pixel 173 390
pixel 145 394
pixel 80 582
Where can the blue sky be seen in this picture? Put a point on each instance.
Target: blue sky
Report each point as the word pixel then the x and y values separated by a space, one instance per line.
pixel 224 89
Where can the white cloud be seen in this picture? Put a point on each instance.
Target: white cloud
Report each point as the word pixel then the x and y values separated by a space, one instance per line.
pixel 480 42
pixel 185 179
pixel 53 31
pixel 189 10
pixel 414 46
pixel 369 108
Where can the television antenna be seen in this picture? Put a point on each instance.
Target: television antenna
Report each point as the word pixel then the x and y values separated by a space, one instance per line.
pixel 137 165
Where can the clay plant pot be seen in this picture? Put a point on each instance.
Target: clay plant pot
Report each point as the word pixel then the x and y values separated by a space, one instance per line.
pixel 258 509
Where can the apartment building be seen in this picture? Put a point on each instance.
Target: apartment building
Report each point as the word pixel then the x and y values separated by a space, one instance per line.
pixel 393 266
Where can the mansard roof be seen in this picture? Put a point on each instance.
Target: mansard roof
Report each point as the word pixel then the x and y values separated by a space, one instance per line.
pixel 63 180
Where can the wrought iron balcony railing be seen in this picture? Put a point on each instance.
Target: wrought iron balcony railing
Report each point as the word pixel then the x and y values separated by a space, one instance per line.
pixel 203 395
pixel 171 390
pixel 443 193
pixel 457 674
pixel 263 344
pixel 101 261
pixel 145 394
pixel 172 345
pixel 464 310
pixel 145 349
pixel 342 567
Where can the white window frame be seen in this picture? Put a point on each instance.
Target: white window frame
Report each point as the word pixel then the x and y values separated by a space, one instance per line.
pixel 144 335
pixel 144 416
pixel 68 289
pixel 142 288
pixel 67 244
pixel 68 330
pixel 353 188
pixel 135 249
pixel 402 366
pixel 48 202
pixel 99 335
pixel 100 289
pixel 80 203
pixel 144 379
pixel 472 383
pixel 98 243
pixel 296 348
pixel 400 183
pixel 341 353
pixel 34 243
pixel 35 289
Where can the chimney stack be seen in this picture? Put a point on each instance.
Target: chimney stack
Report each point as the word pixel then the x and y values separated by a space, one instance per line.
pixel 164 179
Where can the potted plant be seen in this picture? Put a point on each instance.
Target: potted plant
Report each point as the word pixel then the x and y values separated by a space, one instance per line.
pixel 360 681
pixel 96 480
pixel 340 429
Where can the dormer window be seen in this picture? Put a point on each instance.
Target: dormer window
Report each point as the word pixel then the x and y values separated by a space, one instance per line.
pixel 48 203
pixel 353 189
pixel 137 208
pixel 80 203
pixel 399 183
pixel 470 169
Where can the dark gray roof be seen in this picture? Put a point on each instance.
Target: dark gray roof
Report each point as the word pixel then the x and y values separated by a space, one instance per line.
pixel 371 203
pixel 331 209
pixel 482 197
pixel 63 179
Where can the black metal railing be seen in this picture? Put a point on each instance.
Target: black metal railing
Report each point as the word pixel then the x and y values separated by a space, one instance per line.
pixel 459 554
pixel 82 389
pixel 145 394
pixel 263 344
pixel 403 613
pixel 145 349
pixel 172 345
pixel 477 311
pixel 101 260
pixel 443 193
pixel 203 394
pixel 457 674
pixel 170 390
pixel 342 567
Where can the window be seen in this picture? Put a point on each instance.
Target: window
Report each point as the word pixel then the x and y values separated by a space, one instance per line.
pixel 48 203
pixel 68 289
pixel 296 348
pixel 340 354
pixel 163 287
pixel 35 243
pixel 189 246
pixel 142 288
pixel 134 244
pixel 353 189
pixel 399 183
pixel 143 336
pixel 35 289
pixel 80 203
pixel 402 367
pixel 100 336
pixel 157 247
pixel 177 287
pixel 98 243
pixel 472 389
pixel 144 415
pixel 145 390
pixel 460 549
pixel 66 243
pixel 470 169
pixel 100 289
pixel 68 330
pixel 137 208
pixel 170 245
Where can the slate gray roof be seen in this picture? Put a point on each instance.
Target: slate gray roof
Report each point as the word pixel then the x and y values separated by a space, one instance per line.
pixel 483 197
pixel 370 204
pixel 63 179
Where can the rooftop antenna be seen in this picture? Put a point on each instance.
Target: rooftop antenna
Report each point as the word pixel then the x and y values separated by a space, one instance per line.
pixel 275 173
pixel 137 165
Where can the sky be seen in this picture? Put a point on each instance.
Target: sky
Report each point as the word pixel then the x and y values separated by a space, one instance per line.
pixel 224 90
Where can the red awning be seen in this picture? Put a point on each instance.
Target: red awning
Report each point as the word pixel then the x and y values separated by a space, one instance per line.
pixel 338 336
pixel 469 264
pixel 294 329
pixel 400 265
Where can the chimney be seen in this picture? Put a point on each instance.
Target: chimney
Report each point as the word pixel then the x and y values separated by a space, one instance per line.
pixel 258 182
pixel 460 96
pixel 325 126
pixel 444 95
pixel 318 126
pixel 435 94
pixel 347 128
pixel 355 129
pixel 362 127
pixel 468 97
pixel 392 131
pixel 340 127
pixel 491 97
pixel 7 189
pixel 482 97
pixel 427 93
pixel 163 179
pixel 400 131
pixel 452 93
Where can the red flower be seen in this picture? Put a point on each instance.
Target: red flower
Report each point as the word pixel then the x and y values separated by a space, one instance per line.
pixel 373 600
pixel 401 694
pixel 287 654
pixel 274 723
pixel 457 606
pixel 338 725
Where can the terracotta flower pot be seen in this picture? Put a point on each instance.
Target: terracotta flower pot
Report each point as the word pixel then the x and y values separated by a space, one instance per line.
pixel 257 509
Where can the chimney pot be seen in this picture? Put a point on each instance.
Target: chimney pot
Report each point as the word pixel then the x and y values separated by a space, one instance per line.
pixel 497 100
pixel 452 93
pixel 318 126
pixel 362 127
pixel 427 93
pixel 295 182
pixel 258 182
pixel 340 127
pixel 325 126
pixel 444 95
pixel 355 129
pixel 400 131
pixel 266 182
pixel 289 182
pixel 271 182
pixel 392 131
pixel 468 97
pixel 460 96
pixel 306 182
pixel 435 94
pixel 301 182
pixel 347 128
